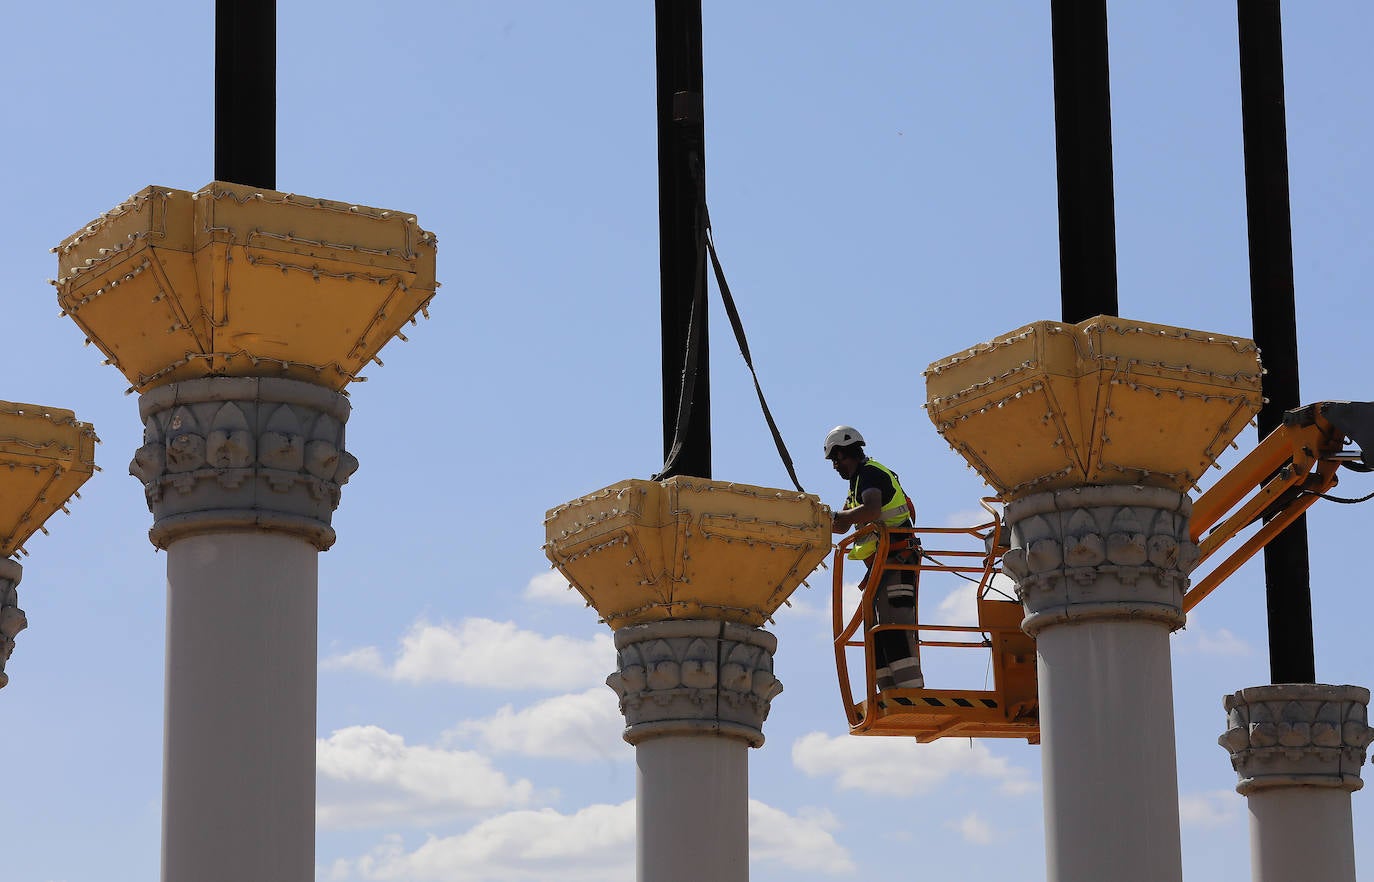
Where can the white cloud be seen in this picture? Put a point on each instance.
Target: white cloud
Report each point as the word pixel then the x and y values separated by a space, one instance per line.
pixel 1196 638
pixel 483 652
pixel 851 594
pixel 553 587
pixel 339 871
pixel 959 606
pixel 807 621
pixel 366 659
pixel 1005 584
pixel 593 844
pixel 369 776
pixel 1220 642
pixel 1216 808
pixel 901 767
pixel 810 606
pixel 802 842
pixel 973 829
pixel 581 726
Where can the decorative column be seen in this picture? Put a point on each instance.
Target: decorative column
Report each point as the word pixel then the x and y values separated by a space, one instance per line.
pixel 1101 572
pixel 1298 749
pixel 686 571
pixel 12 618
pixel 695 695
pixel 49 454
pixel 1092 434
pixel 242 475
pixel 240 314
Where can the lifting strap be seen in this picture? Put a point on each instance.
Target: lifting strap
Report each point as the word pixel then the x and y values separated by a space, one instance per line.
pixel 697 320
pixel 735 323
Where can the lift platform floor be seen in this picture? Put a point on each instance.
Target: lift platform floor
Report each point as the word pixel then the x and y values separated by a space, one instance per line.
pixel 928 714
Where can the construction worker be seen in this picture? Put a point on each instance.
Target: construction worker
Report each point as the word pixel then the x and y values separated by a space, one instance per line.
pixel 875 495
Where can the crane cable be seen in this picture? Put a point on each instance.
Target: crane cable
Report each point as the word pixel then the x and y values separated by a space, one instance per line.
pixel 1343 500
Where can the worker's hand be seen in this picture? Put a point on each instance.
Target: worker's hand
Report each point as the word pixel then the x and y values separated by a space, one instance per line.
pixel 838 523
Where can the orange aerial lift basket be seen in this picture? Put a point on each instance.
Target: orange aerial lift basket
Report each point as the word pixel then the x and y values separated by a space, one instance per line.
pixel 1293 467
pixel 1009 710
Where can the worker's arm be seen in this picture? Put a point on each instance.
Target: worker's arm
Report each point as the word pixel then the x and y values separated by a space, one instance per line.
pixel 869 510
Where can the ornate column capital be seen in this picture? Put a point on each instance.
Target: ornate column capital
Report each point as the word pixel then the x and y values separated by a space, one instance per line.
pixel 694 677
pixel 1297 735
pixel 12 619
pixel 243 453
pixel 1100 552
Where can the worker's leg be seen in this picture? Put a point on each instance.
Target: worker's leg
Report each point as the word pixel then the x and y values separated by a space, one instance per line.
pixel 896 605
pixel 881 644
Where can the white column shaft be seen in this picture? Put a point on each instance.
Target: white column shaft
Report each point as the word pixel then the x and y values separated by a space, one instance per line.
pixel 692 811
pixel 1108 756
pixel 239 753
pixel 1301 833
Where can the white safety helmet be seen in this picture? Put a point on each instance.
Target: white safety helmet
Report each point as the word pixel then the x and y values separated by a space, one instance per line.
pixel 841 436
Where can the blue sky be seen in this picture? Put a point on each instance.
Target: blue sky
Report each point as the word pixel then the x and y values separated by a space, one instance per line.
pixel 881 177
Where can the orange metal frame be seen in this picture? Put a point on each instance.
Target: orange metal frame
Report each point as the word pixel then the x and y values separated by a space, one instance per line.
pixel 1275 483
pixel 1280 478
pixel 1009 710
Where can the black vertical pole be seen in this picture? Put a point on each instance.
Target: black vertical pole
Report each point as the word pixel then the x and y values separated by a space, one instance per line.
pixel 682 240
pixel 1287 578
pixel 246 92
pixel 1083 154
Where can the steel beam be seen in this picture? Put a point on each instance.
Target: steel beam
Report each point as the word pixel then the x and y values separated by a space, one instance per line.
pixel 682 240
pixel 1287 575
pixel 246 92
pixel 1083 157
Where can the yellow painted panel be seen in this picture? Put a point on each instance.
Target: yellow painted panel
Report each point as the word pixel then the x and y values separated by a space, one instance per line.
pixel 687 548
pixel 122 279
pixel 128 314
pixel 46 454
pixel 237 281
pixel 608 545
pixel 1150 428
pixel 269 221
pixel 157 216
pixel 1108 400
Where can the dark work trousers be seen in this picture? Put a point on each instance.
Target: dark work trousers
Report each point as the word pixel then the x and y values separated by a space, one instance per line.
pixel 894 603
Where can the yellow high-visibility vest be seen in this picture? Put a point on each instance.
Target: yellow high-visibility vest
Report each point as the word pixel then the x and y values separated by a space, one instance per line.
pixel 896 512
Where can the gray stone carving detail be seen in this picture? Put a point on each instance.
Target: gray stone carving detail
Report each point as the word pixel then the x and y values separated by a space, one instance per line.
pixel 243 453
pixel 12 619
pixel 693 678
pixel 1297 735
pixel 1100 552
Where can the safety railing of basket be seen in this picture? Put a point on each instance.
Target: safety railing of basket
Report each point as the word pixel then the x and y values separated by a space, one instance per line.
pixel 847 625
